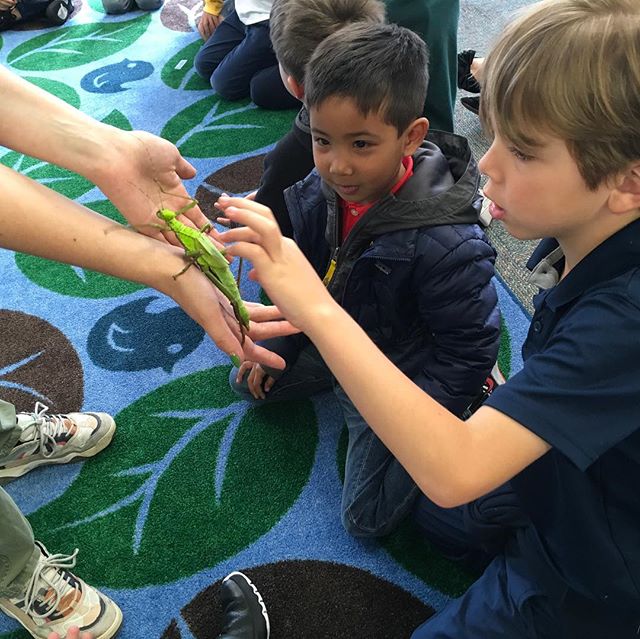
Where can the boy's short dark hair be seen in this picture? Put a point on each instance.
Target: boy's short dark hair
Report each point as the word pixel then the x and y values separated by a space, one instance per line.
pixel 382 67
pixel 297 27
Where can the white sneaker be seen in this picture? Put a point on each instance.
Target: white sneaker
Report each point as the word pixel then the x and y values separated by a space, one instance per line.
pixel 55 439
pixel 55 600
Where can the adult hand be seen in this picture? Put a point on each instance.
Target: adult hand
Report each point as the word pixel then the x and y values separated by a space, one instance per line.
pixel 279 265
pixel 207 24
pixel 146 175
pixel 6 5
pixel 266 322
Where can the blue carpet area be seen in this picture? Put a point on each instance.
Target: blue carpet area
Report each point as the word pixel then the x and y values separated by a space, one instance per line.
pixel 195 483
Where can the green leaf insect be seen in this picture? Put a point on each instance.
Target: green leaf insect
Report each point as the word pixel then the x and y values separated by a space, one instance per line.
pixel 201 251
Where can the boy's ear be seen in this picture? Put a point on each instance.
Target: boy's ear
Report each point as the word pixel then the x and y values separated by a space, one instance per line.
pixel 414 134
pixel 625 197
pixel 295 87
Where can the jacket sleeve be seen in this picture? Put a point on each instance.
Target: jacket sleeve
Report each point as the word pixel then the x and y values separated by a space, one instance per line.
pixel 457 300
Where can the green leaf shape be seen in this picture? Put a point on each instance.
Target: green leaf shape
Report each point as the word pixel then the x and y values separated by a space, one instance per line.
pixel 504 352
pixel 119 120
pixel 71 280
pixel 184 77
pixel 187 457
pixel 196 130
pixel 69 47
pixel 60 180
pixel 59 89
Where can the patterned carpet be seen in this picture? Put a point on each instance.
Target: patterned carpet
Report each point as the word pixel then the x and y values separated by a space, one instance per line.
pixel 196 483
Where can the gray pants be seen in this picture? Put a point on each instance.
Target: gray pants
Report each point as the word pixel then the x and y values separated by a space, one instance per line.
pixel 18 553
pixel 122 6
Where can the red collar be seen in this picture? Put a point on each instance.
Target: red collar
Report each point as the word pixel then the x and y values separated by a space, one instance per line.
pixel 353 211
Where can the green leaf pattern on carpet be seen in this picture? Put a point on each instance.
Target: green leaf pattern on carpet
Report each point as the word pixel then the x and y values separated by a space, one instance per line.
pixel 152 491
pixel 76 45
pixel 195 130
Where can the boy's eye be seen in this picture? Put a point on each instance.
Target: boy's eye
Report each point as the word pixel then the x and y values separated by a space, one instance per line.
pixel 320 141
pixel 361 144
pixel 519 155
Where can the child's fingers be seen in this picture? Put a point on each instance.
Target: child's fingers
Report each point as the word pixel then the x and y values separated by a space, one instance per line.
pixel 259 353
pixel 240 234
pixel 257 255
pixel 255 383
pixel 267 237
pixel 261 313
pixel 242 371
pixel 224 202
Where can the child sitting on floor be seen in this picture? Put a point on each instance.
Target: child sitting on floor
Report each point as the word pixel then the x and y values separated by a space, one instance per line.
pixel 561 439
pixel 389 220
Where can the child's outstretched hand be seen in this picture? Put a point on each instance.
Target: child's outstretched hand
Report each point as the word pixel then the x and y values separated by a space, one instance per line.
pixel 73 633
pixel 278 264
pixel 259 382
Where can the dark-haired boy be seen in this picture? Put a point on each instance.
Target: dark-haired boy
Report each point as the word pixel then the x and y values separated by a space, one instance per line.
pixel 298 26
pixel 389 220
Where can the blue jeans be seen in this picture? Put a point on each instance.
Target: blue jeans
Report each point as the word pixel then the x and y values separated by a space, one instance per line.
pixel 377 491
pixel 239 62
pixel 507 601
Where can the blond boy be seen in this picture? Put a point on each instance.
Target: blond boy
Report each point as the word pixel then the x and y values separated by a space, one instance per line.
pixel 558 445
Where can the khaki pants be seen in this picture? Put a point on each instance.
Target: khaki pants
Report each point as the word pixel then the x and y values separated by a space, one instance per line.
pixel 18 554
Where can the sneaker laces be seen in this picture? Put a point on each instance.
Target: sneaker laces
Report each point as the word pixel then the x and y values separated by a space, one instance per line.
pixel 44 430
pixel 59 564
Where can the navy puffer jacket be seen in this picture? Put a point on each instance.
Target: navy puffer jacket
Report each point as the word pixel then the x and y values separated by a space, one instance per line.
pixel 415 272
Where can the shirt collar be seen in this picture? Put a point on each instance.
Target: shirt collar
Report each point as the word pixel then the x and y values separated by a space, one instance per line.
pixel 363 207
pixel 616 255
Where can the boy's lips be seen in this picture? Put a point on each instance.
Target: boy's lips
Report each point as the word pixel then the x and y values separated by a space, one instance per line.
pixel 347 189
pixel 496 212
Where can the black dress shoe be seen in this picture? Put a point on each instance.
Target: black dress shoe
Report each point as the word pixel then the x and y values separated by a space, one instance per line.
pixel 471 104
pixel 466 80
pixel 244 613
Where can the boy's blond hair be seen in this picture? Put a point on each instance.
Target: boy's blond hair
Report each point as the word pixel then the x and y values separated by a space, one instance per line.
pixel 297 27
pixel 570 69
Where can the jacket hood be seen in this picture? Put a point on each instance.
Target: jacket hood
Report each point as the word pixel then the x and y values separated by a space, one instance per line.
pixel 442 190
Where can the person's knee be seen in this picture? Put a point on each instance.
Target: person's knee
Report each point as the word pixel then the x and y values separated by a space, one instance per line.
pixel 226 86
pixel 149 5
pixel 363 525
pixel 239 388
pixel 116 6
pixel 202 66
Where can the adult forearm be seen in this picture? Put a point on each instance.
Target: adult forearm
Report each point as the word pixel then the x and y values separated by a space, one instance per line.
pixel 35 220
pixel 37 123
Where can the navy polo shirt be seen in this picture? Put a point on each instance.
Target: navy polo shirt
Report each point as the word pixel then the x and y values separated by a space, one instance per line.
pixel 579 390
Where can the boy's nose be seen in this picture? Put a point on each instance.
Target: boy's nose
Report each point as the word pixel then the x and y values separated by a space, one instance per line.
pixel 487 164
pixel 339 166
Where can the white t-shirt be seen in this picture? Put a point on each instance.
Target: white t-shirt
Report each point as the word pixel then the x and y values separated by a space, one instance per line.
pixel 252 11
